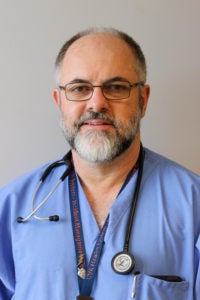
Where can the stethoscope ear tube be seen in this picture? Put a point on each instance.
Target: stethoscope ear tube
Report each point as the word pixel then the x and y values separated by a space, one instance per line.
pixel 35 209
pixel 64 161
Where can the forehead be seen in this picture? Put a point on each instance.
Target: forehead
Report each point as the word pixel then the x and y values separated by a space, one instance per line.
pixel 98 55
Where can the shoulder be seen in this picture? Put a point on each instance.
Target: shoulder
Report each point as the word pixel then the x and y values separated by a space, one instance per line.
pixel 174 189
pixel 28 182
pixel 24 179
pixel 169 172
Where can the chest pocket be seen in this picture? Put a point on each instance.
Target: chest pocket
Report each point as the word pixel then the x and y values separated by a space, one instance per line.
pixel 150 288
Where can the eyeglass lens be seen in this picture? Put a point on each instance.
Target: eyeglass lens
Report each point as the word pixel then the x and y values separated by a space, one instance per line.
pixel 84 91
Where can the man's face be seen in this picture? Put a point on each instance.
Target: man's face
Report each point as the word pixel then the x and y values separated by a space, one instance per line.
pixel 100 130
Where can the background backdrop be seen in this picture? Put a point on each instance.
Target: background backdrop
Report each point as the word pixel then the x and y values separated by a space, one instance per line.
pixel 32 32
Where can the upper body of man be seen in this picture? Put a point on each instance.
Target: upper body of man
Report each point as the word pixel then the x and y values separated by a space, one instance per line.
pixel 102 95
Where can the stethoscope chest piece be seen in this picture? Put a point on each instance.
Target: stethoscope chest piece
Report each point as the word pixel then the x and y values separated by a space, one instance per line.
pixel 123 263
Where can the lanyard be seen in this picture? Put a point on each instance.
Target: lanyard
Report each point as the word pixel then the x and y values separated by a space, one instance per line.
pixel 86 272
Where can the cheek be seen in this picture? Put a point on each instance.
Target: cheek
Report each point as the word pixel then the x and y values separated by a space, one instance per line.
pixel 126 117
pixel 71 111
pixel 124 114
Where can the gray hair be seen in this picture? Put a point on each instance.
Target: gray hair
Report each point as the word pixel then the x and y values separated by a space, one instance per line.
pixel 141 68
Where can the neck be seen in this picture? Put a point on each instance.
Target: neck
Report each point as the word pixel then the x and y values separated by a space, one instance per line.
pixel 102 182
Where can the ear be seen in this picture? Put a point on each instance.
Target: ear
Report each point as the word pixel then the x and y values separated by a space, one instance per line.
pixel 56 97
pixel 144 98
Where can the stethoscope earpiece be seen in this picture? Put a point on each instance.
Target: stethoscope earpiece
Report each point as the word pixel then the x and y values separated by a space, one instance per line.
pixel 54 218
pixel 20 220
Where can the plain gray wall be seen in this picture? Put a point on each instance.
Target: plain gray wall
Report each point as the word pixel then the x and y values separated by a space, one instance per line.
pixel 33 31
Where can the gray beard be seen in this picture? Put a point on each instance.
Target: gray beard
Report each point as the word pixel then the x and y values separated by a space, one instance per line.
pixel 101 146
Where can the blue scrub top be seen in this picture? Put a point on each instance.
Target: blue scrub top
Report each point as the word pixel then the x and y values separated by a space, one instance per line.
pixel 38 261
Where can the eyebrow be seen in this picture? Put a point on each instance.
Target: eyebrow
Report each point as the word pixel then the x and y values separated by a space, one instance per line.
pixel 116 78
pixel 79 80
pixel 112 79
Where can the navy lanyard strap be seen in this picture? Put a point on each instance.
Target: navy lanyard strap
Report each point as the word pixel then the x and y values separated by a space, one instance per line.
pixel 86 273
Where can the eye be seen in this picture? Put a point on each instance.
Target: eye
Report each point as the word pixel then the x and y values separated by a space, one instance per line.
pixel 79 88
pixel 116 87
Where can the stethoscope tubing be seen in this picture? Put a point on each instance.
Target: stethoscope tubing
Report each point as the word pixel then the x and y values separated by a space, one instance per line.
pixel 123 262
pixel 64 161
pixel 134 202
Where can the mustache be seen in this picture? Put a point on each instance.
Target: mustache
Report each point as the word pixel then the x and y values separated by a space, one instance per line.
pixel 91 115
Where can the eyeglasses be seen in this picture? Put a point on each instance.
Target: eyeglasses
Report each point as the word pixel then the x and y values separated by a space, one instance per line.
pixel 83 91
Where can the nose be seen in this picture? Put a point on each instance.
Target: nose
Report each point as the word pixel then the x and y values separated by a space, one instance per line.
pixel 97 102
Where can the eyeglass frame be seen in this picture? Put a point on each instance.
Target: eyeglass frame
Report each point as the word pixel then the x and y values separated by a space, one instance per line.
pixel 131 85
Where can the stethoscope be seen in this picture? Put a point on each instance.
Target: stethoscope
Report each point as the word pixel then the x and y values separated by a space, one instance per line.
pixel 64 161
pixel 123 262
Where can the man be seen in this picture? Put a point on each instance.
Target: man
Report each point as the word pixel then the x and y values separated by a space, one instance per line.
pixel 129 219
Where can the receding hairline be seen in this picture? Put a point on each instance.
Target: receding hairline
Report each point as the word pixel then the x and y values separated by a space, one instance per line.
pixel 132 44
